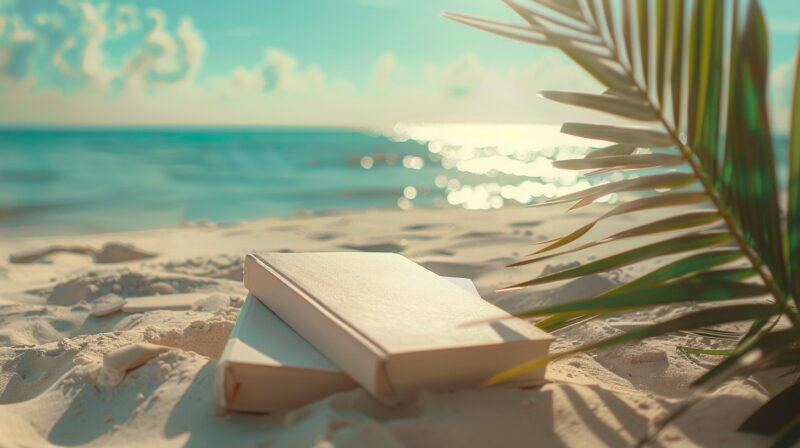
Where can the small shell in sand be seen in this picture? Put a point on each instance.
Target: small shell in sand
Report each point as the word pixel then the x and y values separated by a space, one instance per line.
pixel 121 360
pixel 107 305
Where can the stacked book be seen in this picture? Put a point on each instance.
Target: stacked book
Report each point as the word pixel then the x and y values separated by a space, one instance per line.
pixel 319 323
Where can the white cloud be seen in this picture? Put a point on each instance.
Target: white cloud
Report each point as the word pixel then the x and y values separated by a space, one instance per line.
pixel 21 33
pixel 163 58
pixel 244 80
pixel 279 90
pixel 96 30
pixel 126 19
pixel 462 77
pixel 158 80
pixel 59 62
pixel 385 69
pixel 194 48
pixel 161 48
pixel 49 19
pixel 277 72
pixel 553 72
pixel 17 48
pixel 68 45
pixel 281 74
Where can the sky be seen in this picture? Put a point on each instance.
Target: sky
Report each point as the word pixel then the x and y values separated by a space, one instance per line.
pixel 361 63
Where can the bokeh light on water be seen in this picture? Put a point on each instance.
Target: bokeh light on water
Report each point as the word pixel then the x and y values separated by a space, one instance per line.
pixel 489 166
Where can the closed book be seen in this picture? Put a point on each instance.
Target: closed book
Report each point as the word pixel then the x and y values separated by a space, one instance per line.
pixel 393 326
pixel 266 366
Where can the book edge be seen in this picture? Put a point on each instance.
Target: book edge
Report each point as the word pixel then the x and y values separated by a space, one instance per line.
pixel 538 341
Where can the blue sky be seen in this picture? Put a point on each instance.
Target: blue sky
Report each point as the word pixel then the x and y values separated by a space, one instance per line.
pixel 311 62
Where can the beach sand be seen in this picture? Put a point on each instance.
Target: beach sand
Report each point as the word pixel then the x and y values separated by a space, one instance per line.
pixel 54 388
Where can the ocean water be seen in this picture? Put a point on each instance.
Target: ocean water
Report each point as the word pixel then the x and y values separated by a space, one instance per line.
pixel 85 181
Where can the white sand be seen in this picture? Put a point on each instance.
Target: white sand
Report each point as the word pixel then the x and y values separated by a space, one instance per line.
pixel 52 350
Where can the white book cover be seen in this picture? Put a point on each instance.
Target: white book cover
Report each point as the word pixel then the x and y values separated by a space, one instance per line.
pixel 392 325
pixel 266 366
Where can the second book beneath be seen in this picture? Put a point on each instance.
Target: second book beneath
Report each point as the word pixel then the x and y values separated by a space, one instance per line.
pixel 392 325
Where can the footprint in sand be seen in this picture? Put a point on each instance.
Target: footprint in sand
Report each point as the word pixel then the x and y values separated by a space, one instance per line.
pixel 474 235
pixel 94 285
pixel 443 252
pixel 283 228
pixel 109 253
pixel 415 227
pixel 381 247
pixel 36 369
pixel 238 232
pixel 526 223
pixel 419 237
pixel 325 236
pixel 223 266
pixel 481 239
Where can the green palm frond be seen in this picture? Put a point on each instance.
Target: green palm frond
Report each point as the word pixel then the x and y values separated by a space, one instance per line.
pixel 696 97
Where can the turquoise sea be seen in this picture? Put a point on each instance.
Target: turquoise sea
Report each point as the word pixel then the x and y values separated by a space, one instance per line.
pixel 69 181
pixel 60 181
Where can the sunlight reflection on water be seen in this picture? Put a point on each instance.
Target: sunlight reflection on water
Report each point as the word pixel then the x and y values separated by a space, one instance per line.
pixel 490 166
